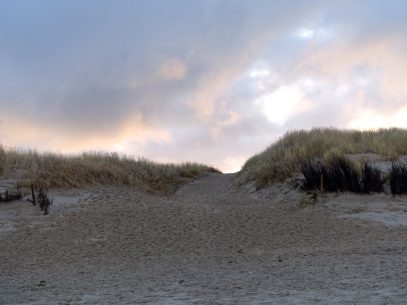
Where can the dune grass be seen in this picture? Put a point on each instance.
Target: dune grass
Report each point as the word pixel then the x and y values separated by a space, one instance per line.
pixel 398 178
pixel 284 158
pixel 53 170
pixel 340 173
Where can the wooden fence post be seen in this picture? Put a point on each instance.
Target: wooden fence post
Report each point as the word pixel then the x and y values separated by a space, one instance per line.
pixel 33 194
pixel 322 183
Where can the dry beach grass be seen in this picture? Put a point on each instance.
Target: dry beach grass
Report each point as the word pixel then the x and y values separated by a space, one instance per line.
pixel 53 170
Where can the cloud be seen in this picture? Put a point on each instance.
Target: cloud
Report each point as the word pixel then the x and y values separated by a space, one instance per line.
pixel 368 119
pixel 208 93
pixel 211 81
pixel 233 118
pixel 20 133
pixel 279 104
pixel 173 69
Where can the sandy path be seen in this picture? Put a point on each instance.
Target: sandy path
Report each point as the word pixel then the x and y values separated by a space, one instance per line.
pixel 210 243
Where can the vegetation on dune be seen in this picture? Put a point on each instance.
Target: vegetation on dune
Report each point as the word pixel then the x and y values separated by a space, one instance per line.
pixel 338 174
pixel 342 174
pixel 286 157
pixel 398 179
pixel 93 168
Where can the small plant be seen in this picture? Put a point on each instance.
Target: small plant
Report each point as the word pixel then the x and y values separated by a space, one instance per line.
pixel 309 199
pixel 44 201
pixel 398 178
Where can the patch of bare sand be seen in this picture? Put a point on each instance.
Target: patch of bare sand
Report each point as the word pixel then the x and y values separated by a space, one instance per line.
pixel 22 211
pixel 210 243
pixel 381 208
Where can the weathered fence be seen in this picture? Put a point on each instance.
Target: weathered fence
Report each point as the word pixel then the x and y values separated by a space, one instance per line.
pixel 10 194
pixel 41 198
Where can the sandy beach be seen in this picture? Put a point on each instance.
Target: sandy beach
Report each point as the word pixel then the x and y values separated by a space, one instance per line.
pixel 209 243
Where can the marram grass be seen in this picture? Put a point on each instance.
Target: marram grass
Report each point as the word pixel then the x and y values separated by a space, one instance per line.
pixel 284 158
pixel 398 178
pixel 342 174
pixel 52 170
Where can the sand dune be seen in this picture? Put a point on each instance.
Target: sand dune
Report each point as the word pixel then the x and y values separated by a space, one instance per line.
pixel 209 243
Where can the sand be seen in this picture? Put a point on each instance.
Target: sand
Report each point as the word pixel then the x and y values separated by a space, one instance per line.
pixel 209 243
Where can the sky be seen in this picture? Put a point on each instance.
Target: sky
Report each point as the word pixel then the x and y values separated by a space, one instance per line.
pixel 211 81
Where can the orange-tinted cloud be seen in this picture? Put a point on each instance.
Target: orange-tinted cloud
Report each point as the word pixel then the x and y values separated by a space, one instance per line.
pixel 173 69
pixel 19 133
pixel 384 57
pixel 232 119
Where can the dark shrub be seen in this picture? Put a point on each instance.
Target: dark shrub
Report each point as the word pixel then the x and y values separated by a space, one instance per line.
pixel 341 176
pixel 398 178
pixel 312 171
pixel 338 173
pixel 372 181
